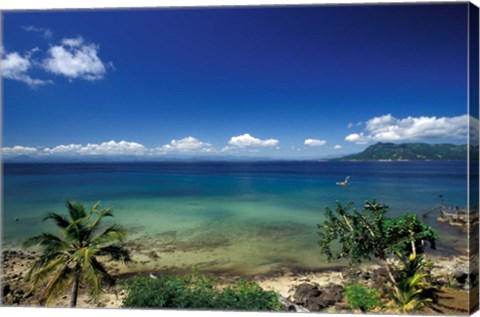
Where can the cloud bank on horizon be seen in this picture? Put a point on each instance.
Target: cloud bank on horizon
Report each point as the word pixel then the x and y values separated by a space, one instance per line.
pixel 387 128
pixel 384 128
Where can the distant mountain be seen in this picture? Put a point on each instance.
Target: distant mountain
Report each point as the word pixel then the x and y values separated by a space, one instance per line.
pixel 411 151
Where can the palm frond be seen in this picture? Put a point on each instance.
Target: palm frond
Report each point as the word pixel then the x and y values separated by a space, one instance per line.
pixel 59 220
pixel 117 253
pixel 42 269
pixel 96 276
pixel 100 269
pixel 76 210
pixel 112 234
pixel 95 207
pixel 58 284
pixel 78 231
pixel 105 212
pixel 46 240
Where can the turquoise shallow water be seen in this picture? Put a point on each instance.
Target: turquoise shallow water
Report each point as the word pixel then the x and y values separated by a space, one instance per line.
pixel 243 216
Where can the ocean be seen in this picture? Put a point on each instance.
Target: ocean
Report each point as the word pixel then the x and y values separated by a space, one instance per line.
pixel 248 217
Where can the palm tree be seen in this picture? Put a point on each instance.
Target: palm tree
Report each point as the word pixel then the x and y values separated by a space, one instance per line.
pixel 69 259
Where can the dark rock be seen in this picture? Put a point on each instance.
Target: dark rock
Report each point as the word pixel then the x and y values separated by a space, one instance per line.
pixel 18 293
pixel 331 295
pixel 14 276
pixel 16 300
pixel 334 292
pixel 315 304
pixel 303 292
pixel 315 299
pixel 101 305
pixel 6 289
pixel 460 276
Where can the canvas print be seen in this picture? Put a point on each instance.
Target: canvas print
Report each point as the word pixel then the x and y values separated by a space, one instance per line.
pixel 304 158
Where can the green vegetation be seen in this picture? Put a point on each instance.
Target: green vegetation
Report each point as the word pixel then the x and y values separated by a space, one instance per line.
pixel 412 288
pixel 360 297
pixel 70 259
pixel 200 292
pixel 246 295
pixel 369 233
pixel 366 234
pixel 412 151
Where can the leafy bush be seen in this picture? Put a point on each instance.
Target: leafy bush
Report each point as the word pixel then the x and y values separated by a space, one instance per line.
pixel 360 297
pixel 369 233
pixel 169 292
pixel 196 292
pixel 246 295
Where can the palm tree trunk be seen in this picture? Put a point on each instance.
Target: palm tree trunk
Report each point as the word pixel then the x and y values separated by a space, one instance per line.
pixel 73 300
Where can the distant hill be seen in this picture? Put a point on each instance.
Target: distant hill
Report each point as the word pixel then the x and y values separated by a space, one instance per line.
pixel 411 151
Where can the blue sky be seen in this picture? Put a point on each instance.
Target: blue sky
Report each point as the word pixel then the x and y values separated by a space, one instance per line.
pixel 275 82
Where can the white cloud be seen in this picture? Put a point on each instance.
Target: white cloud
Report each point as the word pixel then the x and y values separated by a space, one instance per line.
pixel 246 140
pixel 105 148
pixel 16 67
pixel 75 42
pixel 188 144
pixel 387 128
pixel 74 58
pixel 314 142
pixel 46 33
pixel 337 147
pixel 64 149
pixel 358 138
pixel 18 150
pixel 350 125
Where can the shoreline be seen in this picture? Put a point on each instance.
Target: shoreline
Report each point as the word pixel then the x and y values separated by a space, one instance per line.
pixel 283 280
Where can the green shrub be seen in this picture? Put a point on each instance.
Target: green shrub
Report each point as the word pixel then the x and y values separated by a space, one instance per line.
pixel 196 292
pixel 169 292
pixel 246 295
pixel 360 297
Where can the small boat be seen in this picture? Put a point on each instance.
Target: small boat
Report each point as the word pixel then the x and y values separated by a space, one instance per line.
pixel 346 182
